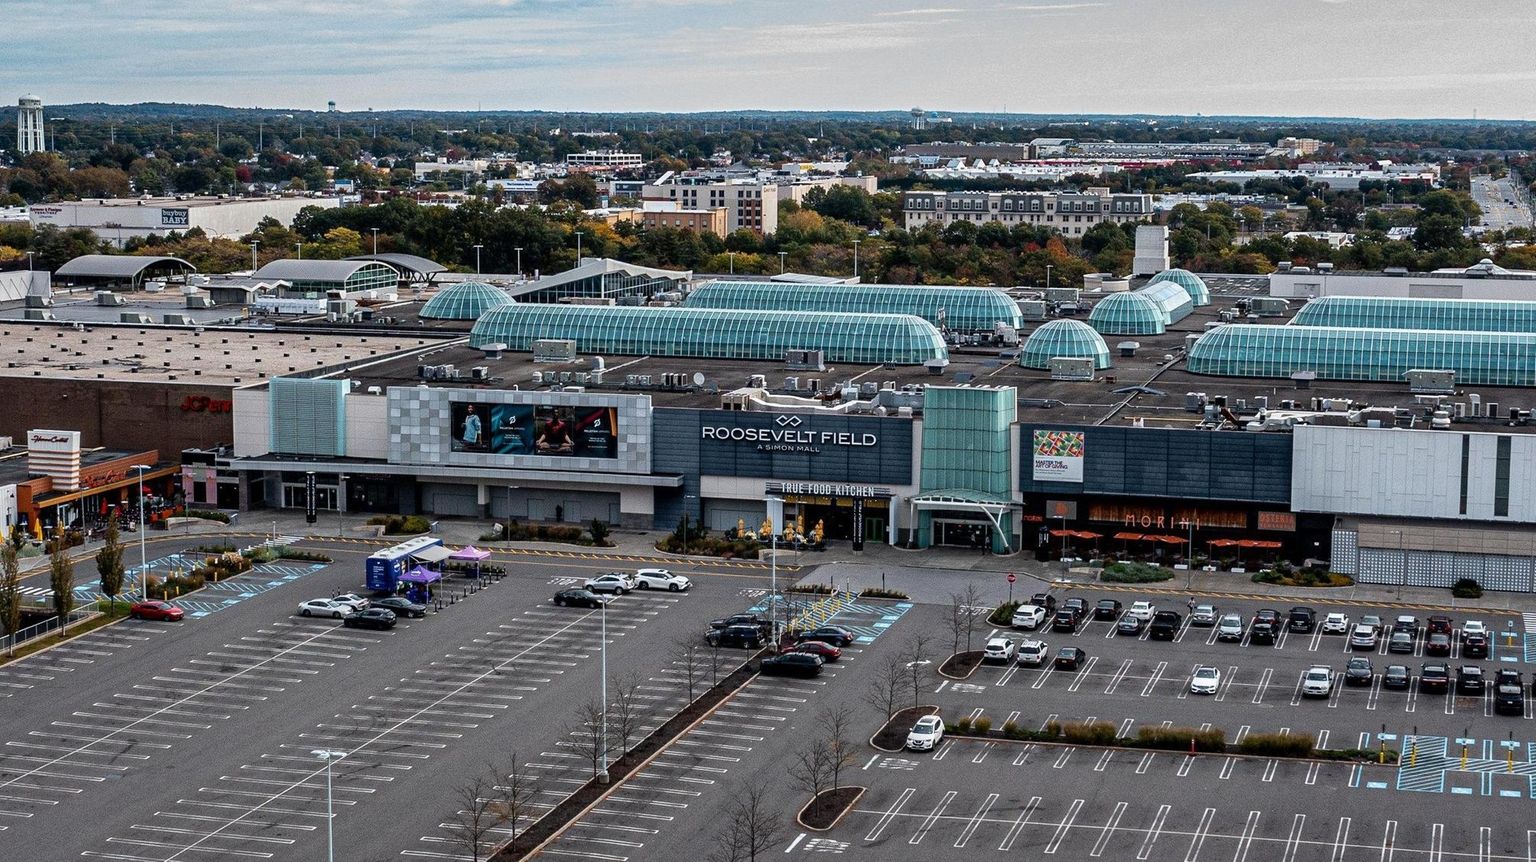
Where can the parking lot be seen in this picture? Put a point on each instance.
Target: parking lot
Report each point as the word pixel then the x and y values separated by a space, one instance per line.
pixel 150 741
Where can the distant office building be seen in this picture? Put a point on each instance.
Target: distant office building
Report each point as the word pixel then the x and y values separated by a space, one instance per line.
pixel 1484 280
pixel 1070 214
pixel 1342 177
pixel 670 214
pixel 603 160
pixel 426 171
pixel 117 220
pixel 751 198
pixel 29 125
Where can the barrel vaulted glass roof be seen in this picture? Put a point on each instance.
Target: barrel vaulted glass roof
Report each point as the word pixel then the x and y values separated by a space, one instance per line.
pixel 896 339
pixel 1193 284
pixel 1171 298
pixel 1128 314
pixel 1063 338
pixel 1338 353
pixel 964 309
pixel 1471 315
pixel 466 300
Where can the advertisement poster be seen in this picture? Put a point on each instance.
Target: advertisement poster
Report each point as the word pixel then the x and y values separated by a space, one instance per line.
pixel 525 429
pixel 1058 456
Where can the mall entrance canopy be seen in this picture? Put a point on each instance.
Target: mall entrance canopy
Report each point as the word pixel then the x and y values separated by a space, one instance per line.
pixel 994 508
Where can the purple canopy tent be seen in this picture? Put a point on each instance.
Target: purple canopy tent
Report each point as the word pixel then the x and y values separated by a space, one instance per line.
pixel 421 581
pixel 471 554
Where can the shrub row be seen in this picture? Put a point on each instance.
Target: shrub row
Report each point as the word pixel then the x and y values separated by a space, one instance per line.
pixel 288 553
pixel 710 546
pixel 1135 573
pixel 1212 740
pixel 401 524
pixel 881 593
pixel 1467 588
pixel 1178 738
pixel 1276 744
pixel 208 515
pixel 812 589
pixel 519 532
pixel 1303 578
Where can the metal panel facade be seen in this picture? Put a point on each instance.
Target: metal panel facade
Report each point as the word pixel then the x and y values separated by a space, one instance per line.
pixel 1161 462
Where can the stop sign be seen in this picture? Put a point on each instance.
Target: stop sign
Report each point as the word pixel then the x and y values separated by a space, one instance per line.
pixel 1012 577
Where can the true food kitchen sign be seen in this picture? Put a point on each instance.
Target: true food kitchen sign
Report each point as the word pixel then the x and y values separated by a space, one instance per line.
pixel 787 434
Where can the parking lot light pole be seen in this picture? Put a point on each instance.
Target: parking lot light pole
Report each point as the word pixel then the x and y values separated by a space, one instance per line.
pixel 329 756
pixel 341 482
pixel 603 651
pixel 143 557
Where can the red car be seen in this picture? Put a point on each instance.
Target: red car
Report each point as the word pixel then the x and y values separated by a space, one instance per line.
pixel 155 611
pixel 827 651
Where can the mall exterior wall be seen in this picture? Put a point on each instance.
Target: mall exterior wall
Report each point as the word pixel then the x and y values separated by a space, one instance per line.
pixel 1175 463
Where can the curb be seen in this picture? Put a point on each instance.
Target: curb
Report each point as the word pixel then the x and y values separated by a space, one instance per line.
pixel 58 643
pixel 847 808
pixel 932 710
pixel 952 676
pixel 1173 751
pixel 1321 599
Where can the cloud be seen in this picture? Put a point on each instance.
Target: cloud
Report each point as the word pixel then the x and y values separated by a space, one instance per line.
pixel 1053 7
pixel 932 11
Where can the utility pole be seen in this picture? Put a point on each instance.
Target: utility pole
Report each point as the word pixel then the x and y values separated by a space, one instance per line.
pixel 254 244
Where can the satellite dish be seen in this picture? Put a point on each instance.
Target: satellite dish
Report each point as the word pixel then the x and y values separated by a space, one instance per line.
pixel 698 378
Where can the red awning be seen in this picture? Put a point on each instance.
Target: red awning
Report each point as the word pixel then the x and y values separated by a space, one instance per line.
pixel 1060 533
pixel 1088 534
pixel 1222 543
pixel 1170 540
pixel 1129 537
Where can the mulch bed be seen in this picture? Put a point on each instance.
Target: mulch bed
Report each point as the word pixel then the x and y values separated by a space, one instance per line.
pixel 961 665
pixel 824 811
pixel 893 736
pixel 562 815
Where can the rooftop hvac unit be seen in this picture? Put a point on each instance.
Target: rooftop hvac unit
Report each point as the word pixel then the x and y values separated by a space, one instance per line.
pixel 538 378
pixel 135 317
pixel 375 390
pixel 868 388
pixel 107 297
pixel 791 384
pixel 479 372
pixel 177 319
pixel 936 366
pixel 565 377
pixel 758 381
pixel 554 350
pixel 809 360
pixel 1432 381
pixel 1031 309
pixel 645 381
pixel 199 301
pixel 1071 367
pixel 39 314
pixel 630 380
pixel 597 377
pixel 582 378
pixel 1128 348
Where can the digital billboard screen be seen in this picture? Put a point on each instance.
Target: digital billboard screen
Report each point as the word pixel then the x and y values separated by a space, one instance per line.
pixel 526 429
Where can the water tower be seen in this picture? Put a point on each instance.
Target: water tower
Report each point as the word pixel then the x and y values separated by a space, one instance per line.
pixel 29 125
pixel 330 107
pixel 917 117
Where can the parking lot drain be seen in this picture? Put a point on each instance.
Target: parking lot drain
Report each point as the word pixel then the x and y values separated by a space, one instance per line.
pixel 1462 791
pixel 1376 785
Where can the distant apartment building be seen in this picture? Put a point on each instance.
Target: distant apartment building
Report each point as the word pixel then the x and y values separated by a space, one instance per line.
pixel 603 160
pixel 1300 147
pixel 441 167
pixel 750 198
pixel 1071 214
pixel 669 214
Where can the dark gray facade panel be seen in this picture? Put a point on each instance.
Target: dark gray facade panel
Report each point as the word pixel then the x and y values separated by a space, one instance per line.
pixel 1172 463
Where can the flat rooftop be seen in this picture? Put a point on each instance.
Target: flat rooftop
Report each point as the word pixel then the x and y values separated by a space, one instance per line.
pixel 13 461
pixel 189 201
pixel 159 354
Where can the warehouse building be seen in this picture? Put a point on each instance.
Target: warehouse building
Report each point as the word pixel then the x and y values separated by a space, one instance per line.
pixel 117 220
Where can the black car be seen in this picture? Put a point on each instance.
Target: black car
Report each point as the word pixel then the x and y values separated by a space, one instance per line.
pixel 1508 692
pixel 1401 642
pixel 1470 679
pixel 1358 671
pixel 1395 676
pixel 370 618
pixel 1437 644
pixel 792 664
pixel 1130 625
pixel 834 635
pixel 580 597
pixel 1106 609
pixel 1165 625
pixel 1064 621
pixel 1263 633
pixel 402 606
pixel 1475 646
pixel 1076 605
pixel 735 637
pixel 1070 658
pixel 1406 623
pixel 1044 600
pixel 754 620
pixel 1434 676
pixel 1302 619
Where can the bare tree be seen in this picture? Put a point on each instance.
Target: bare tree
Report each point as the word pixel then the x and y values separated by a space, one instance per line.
pixel 61 577
pixel 916 661
pixel 479 812
pixel 624 712
pixel 812 768
pixel 750 828
pixel 590 741
pixel 888 685
pixel 972 599
pixel 956 620
pixel 515 792
pixel 842 751
pixel 690 660
pixel 716 661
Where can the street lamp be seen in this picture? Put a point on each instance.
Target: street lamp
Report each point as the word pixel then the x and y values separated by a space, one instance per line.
pixel 781 261
pixel 375 240
pixel 856 257
pixel 329 756
pixel 579 235
pixel 519 262
pixel 341 482
pixel 301 250
pixel 143 559
pixel 478 246
pixel 730 256
pixel 1048 268
pixel 686 498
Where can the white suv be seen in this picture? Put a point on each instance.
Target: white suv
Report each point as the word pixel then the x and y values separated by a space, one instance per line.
pixel 1034 653
pixel 1317 682
pixel 661 579
pixel 1028 617
pixel 998 649
pixel 1335 624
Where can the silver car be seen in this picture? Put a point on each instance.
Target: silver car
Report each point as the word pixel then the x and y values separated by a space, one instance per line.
pixel 1230 628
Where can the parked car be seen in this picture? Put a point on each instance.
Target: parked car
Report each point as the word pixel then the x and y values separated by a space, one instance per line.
pixel 1263 633
pixel 1470 679
pixel 1395 676
pixel 1130 626
pixel 1362 637
pixel 1205 680
pixel 1064 621
pixel 661 579
pixel 617 583
pixel 1267 615
pixel 1439 624
pixel 791 664
pixel 754 620
pixel 1401 642
pixel 156 610
pixel 1475 646
pixel 1317 682
pixel 827 651
pixel 925 734
pixel 1438 644
pixel 1142 611
pixel 1070 658
pixel 834 635
pixel 324 608
pixel 735 637
pixel 1473 627
pixel 1406 623
pixel 1434 676
pixel 1230 628
pixel 1301 619
pixel 579 597
pixel 1203 616
pixel 352 600
pixel 402 606
pixel 1358 671
pixel 1077 605
pixel 370 618
pixel 1033 653
pixel 1372 620
pixel 1165 625
pixel 1336 624
pixel 1508 692
pixel 1107 609
pixel 1044 600
pixel 1028 617
pixel 998 649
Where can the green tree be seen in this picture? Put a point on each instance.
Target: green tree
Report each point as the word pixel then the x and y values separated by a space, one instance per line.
pixel 61 577
pixel 10 587
pixel 109 565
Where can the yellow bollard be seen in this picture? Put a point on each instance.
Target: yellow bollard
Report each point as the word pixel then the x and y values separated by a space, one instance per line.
pixel 1510 766
pixel 1413 753
pixel 1382 757
pixel 1463 757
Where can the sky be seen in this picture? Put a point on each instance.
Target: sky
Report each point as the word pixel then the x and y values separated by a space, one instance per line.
pixel 1371 58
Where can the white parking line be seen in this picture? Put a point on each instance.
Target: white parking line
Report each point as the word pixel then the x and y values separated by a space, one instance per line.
pixel 1019 824
pixel 1062 828
pixel 1340 840
pixel 976 819
pixel 1153 832
pixel 1293 841
pixel 933 817
pixel 1198 839
pixel 1109 829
